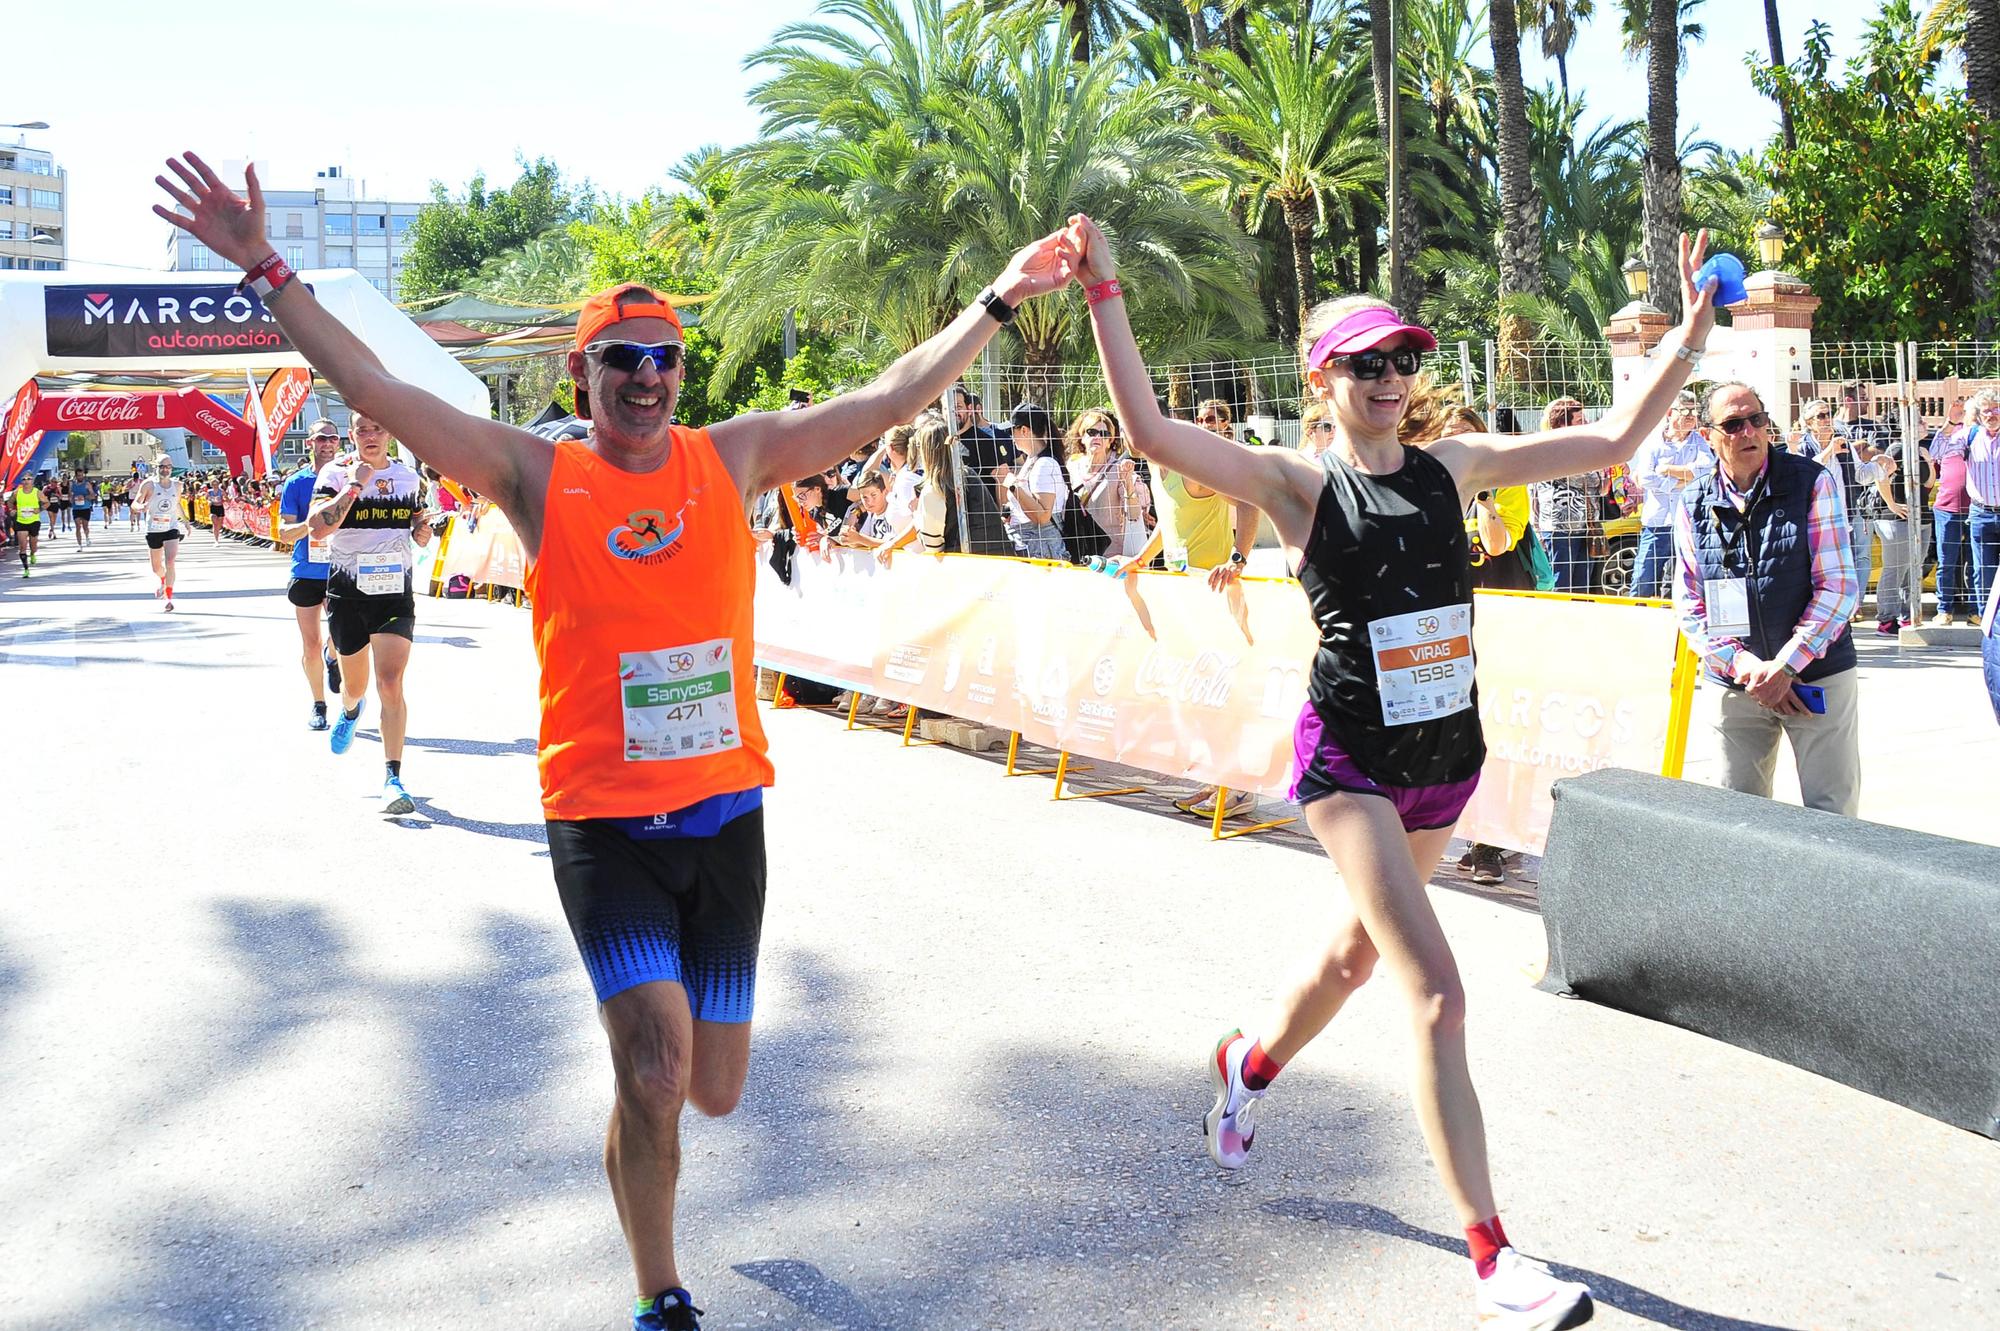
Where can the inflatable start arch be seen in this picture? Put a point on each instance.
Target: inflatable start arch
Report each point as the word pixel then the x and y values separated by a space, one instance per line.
pixel 158 334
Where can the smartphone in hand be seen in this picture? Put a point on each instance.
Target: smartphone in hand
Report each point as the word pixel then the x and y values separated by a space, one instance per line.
pixel 1813 696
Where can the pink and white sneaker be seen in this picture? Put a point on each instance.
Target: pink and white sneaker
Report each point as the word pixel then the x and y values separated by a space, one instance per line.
pixel 1522 1295
pixel 1231 1126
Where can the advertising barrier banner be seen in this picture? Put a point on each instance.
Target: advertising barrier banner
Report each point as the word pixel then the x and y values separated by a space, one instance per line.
pixel 142 322
pixel 1160 673
pixel 489 554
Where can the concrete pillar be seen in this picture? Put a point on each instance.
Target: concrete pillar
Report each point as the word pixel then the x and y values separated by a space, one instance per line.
pixel 1767 342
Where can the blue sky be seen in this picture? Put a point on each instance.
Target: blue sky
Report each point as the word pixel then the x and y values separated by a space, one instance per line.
pixel 407 92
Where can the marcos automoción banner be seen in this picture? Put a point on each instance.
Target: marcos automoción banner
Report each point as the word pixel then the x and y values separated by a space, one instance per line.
pixel 138 320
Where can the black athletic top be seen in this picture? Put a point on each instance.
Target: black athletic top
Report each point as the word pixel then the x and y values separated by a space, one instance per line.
pixel 1387 572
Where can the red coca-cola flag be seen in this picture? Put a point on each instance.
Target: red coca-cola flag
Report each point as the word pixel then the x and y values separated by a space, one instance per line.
pixel 278 405
pixel 21 435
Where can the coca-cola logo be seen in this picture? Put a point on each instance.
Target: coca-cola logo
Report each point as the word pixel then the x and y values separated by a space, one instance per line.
pixel 203 416
pixel 99 409
pixel 1203 682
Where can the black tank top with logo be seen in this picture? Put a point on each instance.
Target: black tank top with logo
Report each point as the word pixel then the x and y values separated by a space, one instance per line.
pixel 1387 572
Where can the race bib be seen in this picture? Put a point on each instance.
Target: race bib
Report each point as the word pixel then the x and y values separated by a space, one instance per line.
pixel 1728 603
pixel 316 549
pixel 379 575
pixel 1423 663
pixel 679 703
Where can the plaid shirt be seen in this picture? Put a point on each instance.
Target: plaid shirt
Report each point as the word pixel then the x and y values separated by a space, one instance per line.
pixel 1836 586
pixel 1982 467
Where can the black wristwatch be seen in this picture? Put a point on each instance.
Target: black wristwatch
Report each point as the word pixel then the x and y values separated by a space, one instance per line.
pixel 1238 558
pixel 1002 312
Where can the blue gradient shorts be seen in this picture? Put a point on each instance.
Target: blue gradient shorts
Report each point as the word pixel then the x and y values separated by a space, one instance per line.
pixel 677 907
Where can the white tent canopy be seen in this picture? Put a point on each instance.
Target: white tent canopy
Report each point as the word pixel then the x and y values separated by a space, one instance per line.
pixel 171 324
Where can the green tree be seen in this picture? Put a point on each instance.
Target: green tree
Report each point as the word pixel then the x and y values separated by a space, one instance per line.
pixel 1294 117
pixel 455 235
pixel 1876 201
pixel 1520 236
pixel 903 160
pixel 1559 22
pixel 1667 34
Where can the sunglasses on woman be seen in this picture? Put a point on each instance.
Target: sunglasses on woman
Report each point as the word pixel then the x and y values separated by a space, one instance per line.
pixel 1373 363
pixel 626 357
pixel 1098 434
pixel 1320 427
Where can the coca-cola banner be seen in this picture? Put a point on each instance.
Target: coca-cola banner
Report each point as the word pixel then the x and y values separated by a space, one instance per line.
pixel 186 409
pixel 142 322
pixel 19 444
pixel 277 406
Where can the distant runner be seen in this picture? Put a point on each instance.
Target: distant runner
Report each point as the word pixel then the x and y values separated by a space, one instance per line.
pixel 307 588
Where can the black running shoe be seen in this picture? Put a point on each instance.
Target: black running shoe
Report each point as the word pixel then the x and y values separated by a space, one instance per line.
pixel 332 670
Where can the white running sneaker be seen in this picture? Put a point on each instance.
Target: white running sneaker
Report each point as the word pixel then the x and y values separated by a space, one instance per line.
pixel 1231 1125
pixel 1240 803
pixel 1522 1295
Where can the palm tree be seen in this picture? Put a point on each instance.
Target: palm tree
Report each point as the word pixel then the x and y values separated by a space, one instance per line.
pixel 1666 29
pixel 1384 69
pixel 1520 236
pixel 1293 116
pixel 1775 35
pixel 1982 86
pixel 1558 22
pixel 903 159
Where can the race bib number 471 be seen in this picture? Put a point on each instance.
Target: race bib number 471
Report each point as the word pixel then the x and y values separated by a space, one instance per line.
pixel 680 702
pixel 1423 663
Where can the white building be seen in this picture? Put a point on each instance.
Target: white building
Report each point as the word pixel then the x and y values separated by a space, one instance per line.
pixel 331 225
pixel 34 208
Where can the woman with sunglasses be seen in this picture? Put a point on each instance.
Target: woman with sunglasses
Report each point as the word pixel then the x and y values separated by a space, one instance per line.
pixel 1105 482
pixel 1389 744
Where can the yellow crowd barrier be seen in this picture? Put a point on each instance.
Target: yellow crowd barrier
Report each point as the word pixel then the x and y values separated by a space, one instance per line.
pixel 1158 673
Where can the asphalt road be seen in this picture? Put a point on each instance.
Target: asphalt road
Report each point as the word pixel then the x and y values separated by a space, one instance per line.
pixel 270 1061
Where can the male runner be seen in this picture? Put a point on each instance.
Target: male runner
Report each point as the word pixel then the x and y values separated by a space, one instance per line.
pixel 652 752
pixel 159 498
pixel 82 499
pixel 27 522
pixel 369 509
pixel 307 588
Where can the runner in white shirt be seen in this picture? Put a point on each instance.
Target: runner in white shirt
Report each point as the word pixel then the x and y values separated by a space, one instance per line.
pixel 369 508
pixel 159 498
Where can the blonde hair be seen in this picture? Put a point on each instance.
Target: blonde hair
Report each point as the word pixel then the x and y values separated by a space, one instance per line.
pixel 1427 412
pixel 1330 312
pixel 1223 415
pixel 936 449
pixel 898 436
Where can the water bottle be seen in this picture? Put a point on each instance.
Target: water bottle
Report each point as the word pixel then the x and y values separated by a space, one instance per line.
pixel 1727 269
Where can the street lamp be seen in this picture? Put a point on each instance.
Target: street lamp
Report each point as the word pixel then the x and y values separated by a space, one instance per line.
pixel 1635 277
pixel 1770 244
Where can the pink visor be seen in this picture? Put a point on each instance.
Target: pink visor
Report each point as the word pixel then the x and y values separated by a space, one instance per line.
pixel 1365 328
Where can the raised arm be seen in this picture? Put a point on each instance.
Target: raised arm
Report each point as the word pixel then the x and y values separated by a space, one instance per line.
pixel 1275 480
pixel 769 448
pixel 1489 461
pixel 495 459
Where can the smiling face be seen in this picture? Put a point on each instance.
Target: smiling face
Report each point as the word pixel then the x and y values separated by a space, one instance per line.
pixel 1367 408
pixel 630 410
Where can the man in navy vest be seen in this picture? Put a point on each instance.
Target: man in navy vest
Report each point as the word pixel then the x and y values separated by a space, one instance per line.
pixel 1765 585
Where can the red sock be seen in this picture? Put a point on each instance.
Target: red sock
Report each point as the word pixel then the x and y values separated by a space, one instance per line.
pixel 1485 1240
pixel 1259 1068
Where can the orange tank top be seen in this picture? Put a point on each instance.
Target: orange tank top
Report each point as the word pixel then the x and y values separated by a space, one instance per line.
pixel 642 598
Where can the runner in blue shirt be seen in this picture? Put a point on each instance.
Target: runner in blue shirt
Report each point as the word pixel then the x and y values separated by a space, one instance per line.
pixel 307 588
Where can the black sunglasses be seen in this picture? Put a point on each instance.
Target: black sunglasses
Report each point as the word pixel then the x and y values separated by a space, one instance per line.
pixel 1099 434
pixel 626 357
pixel 1736 425
pixel 1374 363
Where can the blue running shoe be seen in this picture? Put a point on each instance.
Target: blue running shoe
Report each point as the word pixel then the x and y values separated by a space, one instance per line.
pixel 396 800
pixel 671 1310
pixel 343 729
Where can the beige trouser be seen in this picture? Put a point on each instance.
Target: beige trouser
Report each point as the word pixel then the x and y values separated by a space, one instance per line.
pixel 1826 748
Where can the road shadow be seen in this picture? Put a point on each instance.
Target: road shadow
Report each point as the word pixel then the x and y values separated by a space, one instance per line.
pixel 473 748
pixel 485 1046
pixel 1606 1290
pixel 439 816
